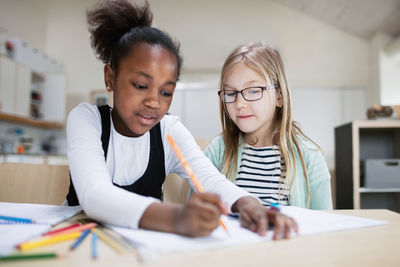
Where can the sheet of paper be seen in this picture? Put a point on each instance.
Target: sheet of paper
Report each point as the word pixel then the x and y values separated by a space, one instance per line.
pixel 45 214
pixel 309 222
pixel 166 242
pixel 12 234
pixel 314 222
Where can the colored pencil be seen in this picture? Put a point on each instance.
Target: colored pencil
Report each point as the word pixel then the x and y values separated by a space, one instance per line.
pixel 80 239
pixel 35 256
pixel 189 171
pixel 16 219
pixel 94 245
pixel 48 240
pixel 109 241
pixel 275 206
pixel 80 228
pixel 62 229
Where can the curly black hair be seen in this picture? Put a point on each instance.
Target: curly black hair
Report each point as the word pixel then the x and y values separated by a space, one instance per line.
pixel 115 26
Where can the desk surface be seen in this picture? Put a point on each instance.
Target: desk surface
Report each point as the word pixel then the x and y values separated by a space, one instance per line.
pixel 375 246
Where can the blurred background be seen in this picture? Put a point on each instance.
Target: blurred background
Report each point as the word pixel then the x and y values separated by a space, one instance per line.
pixel 342 57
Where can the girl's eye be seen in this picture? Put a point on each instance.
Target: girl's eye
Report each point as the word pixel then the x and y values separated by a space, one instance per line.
pixel 139 86
pixel 165 93
pixel 230 93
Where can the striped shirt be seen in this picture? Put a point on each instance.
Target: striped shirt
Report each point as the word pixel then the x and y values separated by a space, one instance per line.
pixel 260 174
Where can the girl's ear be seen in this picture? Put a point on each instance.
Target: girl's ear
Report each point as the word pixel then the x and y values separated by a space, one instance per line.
pixel 279 98
pixel 108 77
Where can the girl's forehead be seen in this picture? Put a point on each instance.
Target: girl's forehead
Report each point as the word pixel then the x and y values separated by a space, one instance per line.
pixel 147 57
pixel 243 71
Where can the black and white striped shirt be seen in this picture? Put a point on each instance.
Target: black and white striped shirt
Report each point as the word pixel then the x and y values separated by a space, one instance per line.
pixel 260 174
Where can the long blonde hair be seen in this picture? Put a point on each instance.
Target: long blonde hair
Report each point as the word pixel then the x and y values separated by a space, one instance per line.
pixel 266 61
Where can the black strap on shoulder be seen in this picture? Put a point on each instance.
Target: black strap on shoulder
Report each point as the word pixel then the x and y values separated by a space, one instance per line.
pixel 72 198
pixel 106 126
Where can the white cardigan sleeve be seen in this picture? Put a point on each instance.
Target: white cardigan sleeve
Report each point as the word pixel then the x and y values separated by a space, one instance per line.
pixel 208 175
pixel 97 195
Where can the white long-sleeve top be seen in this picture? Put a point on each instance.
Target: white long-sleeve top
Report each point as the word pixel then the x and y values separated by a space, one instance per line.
pixel 127 160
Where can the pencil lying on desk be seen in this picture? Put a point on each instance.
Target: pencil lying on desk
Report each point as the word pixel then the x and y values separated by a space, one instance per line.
pixel 79 228
pixel 79 240
pixel 52 232
pixel 35 256
pixel 108 240
pixel 16 219
pixel 48 241
pixel 189 171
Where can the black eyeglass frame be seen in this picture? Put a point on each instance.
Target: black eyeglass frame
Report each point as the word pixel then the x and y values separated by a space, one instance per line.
pixel 263 88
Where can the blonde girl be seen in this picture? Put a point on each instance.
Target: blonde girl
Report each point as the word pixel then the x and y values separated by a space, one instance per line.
pixel 261 149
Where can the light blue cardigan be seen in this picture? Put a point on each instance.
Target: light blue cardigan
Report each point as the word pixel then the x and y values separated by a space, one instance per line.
pixel 318 173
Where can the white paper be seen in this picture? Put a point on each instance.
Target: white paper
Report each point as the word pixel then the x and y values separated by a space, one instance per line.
pixel 40 213
pixel 12 233
pixel 314 222
pixel 309 222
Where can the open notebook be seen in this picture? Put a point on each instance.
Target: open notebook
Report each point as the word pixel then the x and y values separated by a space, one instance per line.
pixel 45 216
pixel 151 243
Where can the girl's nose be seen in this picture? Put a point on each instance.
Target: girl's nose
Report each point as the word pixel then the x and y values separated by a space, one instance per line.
pixel 240 101
pixel 152 99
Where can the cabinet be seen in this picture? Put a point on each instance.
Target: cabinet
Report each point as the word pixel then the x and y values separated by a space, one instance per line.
pixel 355 143
pixel 22 91
pixel 31 95
pixel 7 85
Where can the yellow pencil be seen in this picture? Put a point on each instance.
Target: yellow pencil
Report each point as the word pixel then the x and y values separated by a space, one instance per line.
pixel 48 240
pixel 189 171
pixel 108 240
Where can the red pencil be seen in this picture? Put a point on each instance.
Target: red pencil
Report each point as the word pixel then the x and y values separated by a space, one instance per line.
pixel 79 228
pixel 62 229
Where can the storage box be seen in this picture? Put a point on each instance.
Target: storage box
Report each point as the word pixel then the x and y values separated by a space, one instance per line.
pixel 382 173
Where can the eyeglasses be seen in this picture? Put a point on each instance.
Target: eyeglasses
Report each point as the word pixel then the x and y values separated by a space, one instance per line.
pixel 249 94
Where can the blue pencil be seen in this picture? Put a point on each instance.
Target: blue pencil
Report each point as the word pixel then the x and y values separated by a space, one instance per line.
pixel 80 239
pixel 275 206
pixel 16 219
pixel 94 246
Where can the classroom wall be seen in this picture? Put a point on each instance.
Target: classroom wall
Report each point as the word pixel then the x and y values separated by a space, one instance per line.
pixel 25 19
pixel 314 53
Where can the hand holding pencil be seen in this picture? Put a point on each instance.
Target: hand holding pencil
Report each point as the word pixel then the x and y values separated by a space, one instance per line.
pixel 201 214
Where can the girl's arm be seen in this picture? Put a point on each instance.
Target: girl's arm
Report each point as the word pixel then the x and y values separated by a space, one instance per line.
pixel 97 195
pixel 252 214
pixel 103 201
pixel 209 176
pixel 320 181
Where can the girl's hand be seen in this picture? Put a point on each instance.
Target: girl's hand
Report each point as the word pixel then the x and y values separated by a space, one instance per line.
pixel 256 217
pixel 199 216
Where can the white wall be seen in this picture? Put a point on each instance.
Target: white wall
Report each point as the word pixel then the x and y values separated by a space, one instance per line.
pixel 385 71
pixel 25 19
pixel 315 53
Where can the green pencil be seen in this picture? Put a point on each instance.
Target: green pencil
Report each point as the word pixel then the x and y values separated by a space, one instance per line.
pixel 17 257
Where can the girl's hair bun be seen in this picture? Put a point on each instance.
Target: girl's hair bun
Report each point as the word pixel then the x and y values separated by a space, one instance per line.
pixel 109 20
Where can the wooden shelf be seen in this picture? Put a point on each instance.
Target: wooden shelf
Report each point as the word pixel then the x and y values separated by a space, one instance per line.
pixel 31 122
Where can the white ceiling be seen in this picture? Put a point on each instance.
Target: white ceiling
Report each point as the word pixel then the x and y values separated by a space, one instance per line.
pixel 362 18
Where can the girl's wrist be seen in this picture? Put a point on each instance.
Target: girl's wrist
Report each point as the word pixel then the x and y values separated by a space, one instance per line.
pixel 161 217
pixel 242 202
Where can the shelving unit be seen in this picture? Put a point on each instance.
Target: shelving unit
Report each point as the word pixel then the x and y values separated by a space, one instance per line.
pixel 31 122
pixel 356 142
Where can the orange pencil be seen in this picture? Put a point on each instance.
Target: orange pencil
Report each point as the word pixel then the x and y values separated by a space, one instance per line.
pixel 189 171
